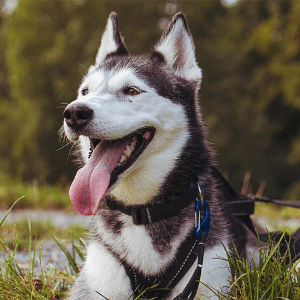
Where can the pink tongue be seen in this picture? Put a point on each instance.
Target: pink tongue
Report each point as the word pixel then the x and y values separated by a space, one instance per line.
pixel 91 181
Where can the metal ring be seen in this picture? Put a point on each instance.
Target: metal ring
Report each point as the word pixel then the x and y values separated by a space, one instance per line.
pixel 200 194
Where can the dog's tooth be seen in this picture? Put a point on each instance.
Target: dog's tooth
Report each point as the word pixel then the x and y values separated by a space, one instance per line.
pixel 133 143
pixel 122 159
pixel 127 151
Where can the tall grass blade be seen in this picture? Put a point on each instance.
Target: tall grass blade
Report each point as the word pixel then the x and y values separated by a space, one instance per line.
pixel 80 253
pixel 271 254
pixel 7 213
pixel 69 257
pixel 263 296
pixel 102 295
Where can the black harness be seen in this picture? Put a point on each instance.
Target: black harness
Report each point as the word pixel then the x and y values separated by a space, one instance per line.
pixel 159 287
pixel 241 206
pixel 189 251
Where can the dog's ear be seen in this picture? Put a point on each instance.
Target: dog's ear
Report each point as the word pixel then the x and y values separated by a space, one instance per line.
pixel 177 46
pixel 111 41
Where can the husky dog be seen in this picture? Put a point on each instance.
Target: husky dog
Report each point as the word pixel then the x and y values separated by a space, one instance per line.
pixel 143 142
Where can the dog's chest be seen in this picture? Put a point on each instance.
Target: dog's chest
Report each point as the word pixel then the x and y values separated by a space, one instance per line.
pixel 149 250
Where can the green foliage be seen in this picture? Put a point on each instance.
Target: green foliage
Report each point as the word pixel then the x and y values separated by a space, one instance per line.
pixel 44 59
pixel 36 195
pixel 275 212
pixel 252 120
pixel 40 230
pixel 250 92
pixel 274 277
pixel 17 283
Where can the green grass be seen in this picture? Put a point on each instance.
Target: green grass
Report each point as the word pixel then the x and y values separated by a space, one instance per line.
pixel 17 283
pixel 39 229
pixel 41 196
pixel 273 278
pixel 277 216
pixel 275 212
pixel 55 197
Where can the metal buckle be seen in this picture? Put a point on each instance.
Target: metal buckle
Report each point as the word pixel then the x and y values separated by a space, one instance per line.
pixel 200 194
pixel 198 219
pixel 198 210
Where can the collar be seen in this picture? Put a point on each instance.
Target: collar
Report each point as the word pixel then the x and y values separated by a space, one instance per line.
pixel 147 214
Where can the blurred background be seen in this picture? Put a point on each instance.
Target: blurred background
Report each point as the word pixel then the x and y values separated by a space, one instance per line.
pixel 250 55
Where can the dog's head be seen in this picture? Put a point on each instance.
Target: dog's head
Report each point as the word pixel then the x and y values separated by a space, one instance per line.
pixel 130 117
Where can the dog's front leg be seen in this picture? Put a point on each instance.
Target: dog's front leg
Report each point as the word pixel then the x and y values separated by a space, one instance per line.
pixel 102 274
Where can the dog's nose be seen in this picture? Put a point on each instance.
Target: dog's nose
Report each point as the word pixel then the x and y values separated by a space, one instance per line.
pixel 77 115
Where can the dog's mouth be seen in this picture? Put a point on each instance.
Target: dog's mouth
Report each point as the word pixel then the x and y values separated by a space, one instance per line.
pixel 136 143
pixel 108 159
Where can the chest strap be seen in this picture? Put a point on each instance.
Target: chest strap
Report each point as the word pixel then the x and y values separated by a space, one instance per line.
pixel 159 287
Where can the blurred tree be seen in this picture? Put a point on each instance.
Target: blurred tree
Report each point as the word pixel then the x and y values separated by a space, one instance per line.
pixel 240 132
pixel 4 94
pixel 47 44
pixel 250 90
pixel 249 54
pixel 3 69
pixel 276 87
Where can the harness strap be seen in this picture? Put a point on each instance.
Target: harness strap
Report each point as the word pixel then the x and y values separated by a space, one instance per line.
pixel 143 215
pixel 160 286
pixel 191 288
pixel 291 203
pixel 242 206
pixel 239 205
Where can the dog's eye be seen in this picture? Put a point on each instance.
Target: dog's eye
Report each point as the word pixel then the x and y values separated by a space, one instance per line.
pixel 131 91
pixel 85 91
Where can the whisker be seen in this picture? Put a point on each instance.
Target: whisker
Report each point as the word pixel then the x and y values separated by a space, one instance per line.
pixel 62 135
pixel 62 105
pixel 69 154
pixel 83 66
pixel 63 146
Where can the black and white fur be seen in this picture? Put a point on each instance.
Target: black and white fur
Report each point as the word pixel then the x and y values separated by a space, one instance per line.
pixel 167 80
